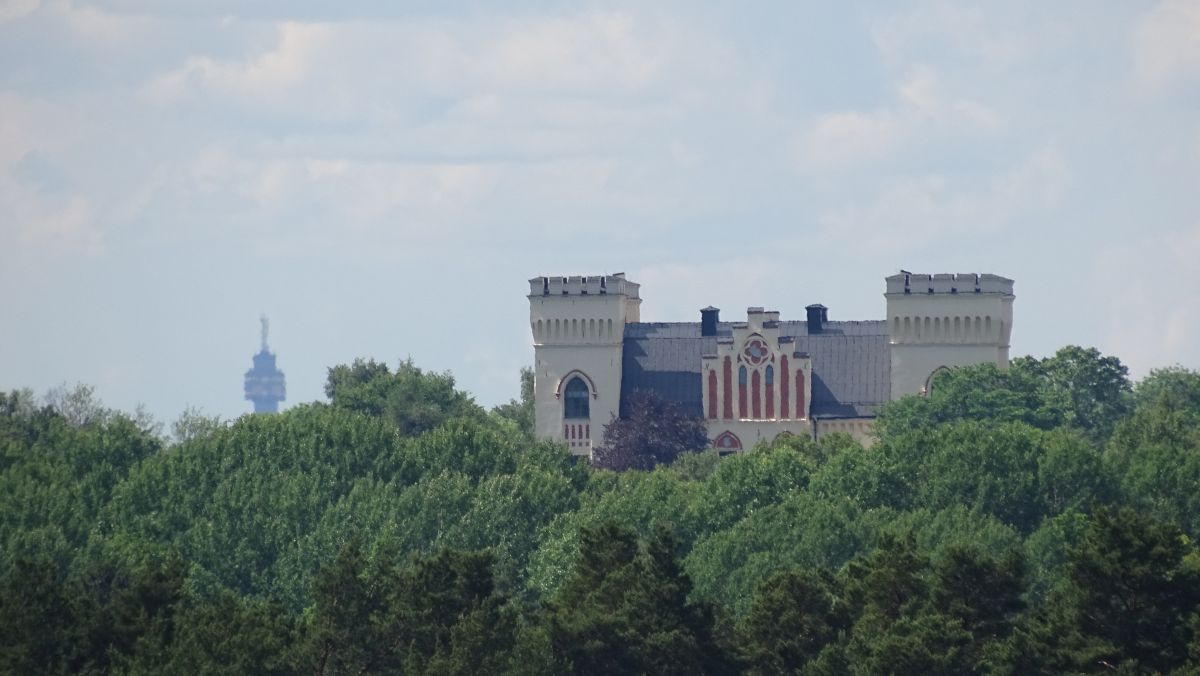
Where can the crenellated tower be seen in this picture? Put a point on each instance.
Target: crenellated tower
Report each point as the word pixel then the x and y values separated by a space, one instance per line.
pixel 578 326
pixel 945 320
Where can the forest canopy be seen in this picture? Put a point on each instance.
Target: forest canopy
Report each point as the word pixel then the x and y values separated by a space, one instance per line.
pixel 1034 520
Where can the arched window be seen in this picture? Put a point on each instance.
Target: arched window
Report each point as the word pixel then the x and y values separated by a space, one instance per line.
pixel 726 443
pixel 575 400
pixel 930 381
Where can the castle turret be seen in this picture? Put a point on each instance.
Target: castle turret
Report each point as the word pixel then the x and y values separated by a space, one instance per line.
pixel 264 384
pixel 578 326
pixel 945 320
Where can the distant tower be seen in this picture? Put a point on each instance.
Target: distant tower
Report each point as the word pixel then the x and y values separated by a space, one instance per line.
pixel 264 382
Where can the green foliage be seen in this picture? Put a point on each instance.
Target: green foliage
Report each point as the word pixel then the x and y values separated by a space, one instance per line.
pixel 231 635
pixel 60 472
pixel 1009 470
pixel 1093 391
pixel 439 614
pixel 1176 387
pixel 1077 387
pixel 645 501
pixel 748 482
pixel 991 468
pixel 938 531
pixel 193 424
pixel 794 616
pixel 981 393
pixel 411 399
pixel 916 615
pixel 1155 453
pixel 1033 520
pixel 801 531
pixel 237 501
pixel 1127 603
pixel 520 411
pixel 626 610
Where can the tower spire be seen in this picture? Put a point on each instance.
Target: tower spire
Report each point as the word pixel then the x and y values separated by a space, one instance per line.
pixel 266 327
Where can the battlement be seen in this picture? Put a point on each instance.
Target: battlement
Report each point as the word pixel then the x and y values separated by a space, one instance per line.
pixel 599 285
pixel 963 282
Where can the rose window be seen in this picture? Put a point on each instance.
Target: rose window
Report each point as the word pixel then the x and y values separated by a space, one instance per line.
pixel 756 351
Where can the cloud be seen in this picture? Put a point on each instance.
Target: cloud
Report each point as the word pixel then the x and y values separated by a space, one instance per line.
pixel 336 65
pixel 1166 43
pixel 282 67
pixel 36 220
pixel 909 214
pixel 675 291
pixel 11 10
pixel 993 36
pixel 33 125
pixel 847 139
pixel 1153 314
pixel 595 50
pixel 49 226
pixel 100 27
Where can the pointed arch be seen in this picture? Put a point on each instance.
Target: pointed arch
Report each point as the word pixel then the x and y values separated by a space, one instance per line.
pixel 727 442
pixel 575 373
pixel 925 391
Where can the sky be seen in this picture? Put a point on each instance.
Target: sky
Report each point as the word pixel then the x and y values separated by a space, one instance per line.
pixel 383 178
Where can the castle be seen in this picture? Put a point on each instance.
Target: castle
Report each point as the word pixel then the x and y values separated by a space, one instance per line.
pixel 755 379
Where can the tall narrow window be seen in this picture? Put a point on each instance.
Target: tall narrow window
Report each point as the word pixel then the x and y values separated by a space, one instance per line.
pixel 756 395
pixel 741 391
pixel 575 400
pixel 712 394
pixel 727 389
pixel 800 412
pixel 770 378
pixel 784 401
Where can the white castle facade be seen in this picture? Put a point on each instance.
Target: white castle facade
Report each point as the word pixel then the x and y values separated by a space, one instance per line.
pixel 755 379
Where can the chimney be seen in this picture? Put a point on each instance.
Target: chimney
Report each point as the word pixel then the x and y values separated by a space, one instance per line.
pixel 709 317
pixel 817 316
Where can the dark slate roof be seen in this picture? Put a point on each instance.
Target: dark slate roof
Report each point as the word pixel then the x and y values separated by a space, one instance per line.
pixel 850 361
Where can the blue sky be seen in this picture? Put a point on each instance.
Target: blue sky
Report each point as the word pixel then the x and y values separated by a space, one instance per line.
pixel 382 178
